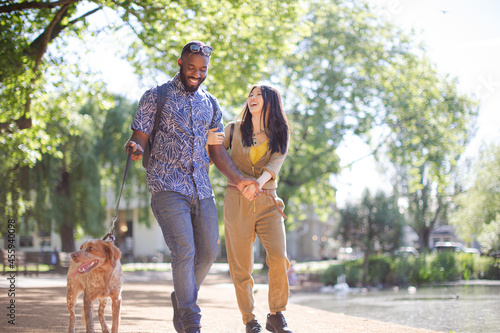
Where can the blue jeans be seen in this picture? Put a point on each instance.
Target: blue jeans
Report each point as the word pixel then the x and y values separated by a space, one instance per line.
pixel 190 228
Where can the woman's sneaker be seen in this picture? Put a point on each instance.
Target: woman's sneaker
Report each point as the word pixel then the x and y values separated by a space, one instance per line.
pixel 277 323
pixel 253 327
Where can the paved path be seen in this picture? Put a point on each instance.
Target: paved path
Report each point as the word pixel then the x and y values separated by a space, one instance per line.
pixel 41 307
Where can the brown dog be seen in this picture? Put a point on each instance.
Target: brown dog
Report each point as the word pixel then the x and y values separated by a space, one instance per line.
pixel 96 271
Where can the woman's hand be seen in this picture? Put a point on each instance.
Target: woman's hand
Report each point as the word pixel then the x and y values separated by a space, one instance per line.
pixel 214 137
pixel 251 192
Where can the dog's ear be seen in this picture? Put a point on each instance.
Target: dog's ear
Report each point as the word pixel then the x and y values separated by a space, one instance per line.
pixel 113 253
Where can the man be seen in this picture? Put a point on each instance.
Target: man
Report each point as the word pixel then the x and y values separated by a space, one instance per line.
pixel 182 197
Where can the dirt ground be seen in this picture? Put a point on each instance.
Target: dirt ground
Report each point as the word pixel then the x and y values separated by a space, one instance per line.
pixel 147 308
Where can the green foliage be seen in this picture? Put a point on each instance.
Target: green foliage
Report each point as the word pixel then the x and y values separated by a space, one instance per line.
pixel 445 267
pixel 375 220
pixel 414 270
pixel 379 269
pixel 478 212
pixel 487 268
pixel 330 275
pixel 421 272
pixel 42 89
pixel 353 272
pixel 340 68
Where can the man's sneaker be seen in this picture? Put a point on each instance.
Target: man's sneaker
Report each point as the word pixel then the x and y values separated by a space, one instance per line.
pixel 253 327
pixel 179 328
pixel 277 323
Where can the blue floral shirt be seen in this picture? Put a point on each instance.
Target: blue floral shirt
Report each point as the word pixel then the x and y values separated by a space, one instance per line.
pixel 179 159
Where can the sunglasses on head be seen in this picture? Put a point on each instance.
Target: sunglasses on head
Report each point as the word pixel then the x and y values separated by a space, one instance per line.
pixel 206 50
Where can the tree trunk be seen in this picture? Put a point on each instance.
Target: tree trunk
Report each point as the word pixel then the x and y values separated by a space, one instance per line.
pixel 365 266
pixel 67 239
pixel 66 229
pixel 424 239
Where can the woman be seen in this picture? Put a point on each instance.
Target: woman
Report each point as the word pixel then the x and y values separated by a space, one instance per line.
pixel 258 146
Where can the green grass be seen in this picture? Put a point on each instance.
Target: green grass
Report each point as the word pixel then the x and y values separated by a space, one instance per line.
pixel 42 268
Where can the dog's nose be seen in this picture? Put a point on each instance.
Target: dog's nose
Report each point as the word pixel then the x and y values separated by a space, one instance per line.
pixel 74 256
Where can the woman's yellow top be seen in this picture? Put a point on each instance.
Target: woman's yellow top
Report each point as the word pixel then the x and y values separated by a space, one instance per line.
pixel 256 153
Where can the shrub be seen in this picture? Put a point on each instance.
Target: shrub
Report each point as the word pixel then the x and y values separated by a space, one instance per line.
pixel 379 269
pixel 401 270
pixel 467 264
pixel 444 267
pixel 330 275
pixel 420 272
pixel 354 272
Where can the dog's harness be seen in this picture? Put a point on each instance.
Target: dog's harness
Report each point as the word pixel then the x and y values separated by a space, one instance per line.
pixel 115 217
pixel 268 192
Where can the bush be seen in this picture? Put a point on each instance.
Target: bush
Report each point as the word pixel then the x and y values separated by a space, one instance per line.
pixel 441 267
pixel 420 272
pixel 379 269
pixel 487 268
pixel 401 270
pixel 330 275
pixel 354 272
pixel 467 265
pixel 444 267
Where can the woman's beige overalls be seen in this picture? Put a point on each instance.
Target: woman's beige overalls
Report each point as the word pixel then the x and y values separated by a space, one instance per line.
pixel 244 219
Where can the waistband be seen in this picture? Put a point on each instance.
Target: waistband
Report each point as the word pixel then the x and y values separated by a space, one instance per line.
pixel 268 192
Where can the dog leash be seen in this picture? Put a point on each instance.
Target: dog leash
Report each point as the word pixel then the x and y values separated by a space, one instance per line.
pixel 266 192
pixel 115 217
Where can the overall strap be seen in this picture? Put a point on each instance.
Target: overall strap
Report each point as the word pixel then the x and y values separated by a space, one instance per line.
pixel 231 135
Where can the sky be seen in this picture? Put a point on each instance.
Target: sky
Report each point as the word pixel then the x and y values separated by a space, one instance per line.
pixel 462 38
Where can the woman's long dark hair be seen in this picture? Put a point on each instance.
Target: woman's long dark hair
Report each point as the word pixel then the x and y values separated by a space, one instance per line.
pixel 274 120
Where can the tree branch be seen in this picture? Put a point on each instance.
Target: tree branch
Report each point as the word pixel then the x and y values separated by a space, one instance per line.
pixel 38 48
pixel 33 5
pixel 39 45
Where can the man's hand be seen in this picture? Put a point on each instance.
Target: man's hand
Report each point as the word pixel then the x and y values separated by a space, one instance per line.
pixel 251 192
pixel 249 187
pixel 137 150
pixel 137 142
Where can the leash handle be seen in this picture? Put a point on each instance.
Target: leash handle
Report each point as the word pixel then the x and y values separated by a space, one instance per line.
pixel 115 216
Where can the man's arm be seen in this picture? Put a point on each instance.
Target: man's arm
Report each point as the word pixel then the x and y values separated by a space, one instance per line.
pixel 225 164
pixel 137 142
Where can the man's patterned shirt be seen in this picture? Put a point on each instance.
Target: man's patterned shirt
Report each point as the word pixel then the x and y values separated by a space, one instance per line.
pixel 179 159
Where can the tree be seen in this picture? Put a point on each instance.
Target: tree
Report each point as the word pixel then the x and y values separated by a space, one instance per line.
pixel 243 43
pixel 477 216
pixel 69 191
pixel 373 225
pixel 36 72
pixel 429 124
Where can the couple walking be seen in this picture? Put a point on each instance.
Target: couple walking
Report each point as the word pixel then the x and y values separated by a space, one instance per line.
pixel 189 131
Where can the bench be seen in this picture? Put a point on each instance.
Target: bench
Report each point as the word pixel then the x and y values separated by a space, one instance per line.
pixel 21 259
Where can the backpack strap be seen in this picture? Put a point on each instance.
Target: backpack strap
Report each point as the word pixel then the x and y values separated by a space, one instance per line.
pixel 160 102
pixel 161 96
pixel 214 105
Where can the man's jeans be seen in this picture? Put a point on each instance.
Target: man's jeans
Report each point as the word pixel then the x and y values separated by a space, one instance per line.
pixel 190 228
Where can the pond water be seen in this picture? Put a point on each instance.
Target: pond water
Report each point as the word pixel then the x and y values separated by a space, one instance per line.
pixel 473 308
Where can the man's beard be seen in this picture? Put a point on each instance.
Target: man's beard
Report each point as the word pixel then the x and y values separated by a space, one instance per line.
pixel 189 88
